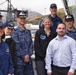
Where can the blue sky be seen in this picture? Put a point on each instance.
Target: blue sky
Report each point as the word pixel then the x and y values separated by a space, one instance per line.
pixel 41 6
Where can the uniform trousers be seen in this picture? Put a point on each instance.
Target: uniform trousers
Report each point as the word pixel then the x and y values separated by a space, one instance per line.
pixel 60 70
pixel 24 70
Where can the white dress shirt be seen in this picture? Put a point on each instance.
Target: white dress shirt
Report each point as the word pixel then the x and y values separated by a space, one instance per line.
pixel 62 52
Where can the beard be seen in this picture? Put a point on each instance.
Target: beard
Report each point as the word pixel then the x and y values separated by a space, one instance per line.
pixel 61 34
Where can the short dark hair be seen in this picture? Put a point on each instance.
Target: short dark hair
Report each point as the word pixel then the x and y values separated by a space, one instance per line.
pixel 61 23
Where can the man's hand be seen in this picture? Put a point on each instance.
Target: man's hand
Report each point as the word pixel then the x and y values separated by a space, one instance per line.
pixel 70 73
pixel 49 73
pixel 26 58
pixel 9 74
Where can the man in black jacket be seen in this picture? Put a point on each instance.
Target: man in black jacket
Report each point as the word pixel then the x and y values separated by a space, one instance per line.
pixel 9 26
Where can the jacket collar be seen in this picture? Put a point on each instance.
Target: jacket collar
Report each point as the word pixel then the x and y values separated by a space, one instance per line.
pixel 20 29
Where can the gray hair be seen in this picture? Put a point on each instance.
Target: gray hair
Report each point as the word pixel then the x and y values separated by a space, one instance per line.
pixel 48 19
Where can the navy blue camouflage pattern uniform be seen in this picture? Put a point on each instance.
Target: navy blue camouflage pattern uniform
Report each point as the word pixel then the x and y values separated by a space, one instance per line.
pixel 71 33
pixel 24 47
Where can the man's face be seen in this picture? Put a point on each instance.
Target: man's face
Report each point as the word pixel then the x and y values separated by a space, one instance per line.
pixel 21 21
pixel 8 31
pixel 61 30
pixel 69 23
pixel 53 10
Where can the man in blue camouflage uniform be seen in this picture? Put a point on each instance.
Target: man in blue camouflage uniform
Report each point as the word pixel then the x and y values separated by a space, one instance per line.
pixel 22 37
pixel 70 29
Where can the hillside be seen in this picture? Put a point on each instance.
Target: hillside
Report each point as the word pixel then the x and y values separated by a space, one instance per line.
pixel 35 19
pixel 32 14
pixel 61 13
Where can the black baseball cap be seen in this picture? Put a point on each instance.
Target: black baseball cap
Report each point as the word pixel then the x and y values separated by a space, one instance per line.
pixel 69 17
pixel 22 14
pixel 9 24
pixel 53 5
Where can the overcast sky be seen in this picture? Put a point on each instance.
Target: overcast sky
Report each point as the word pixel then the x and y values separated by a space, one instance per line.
pixel 41 6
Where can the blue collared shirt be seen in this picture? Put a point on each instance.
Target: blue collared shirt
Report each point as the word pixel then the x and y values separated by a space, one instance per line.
pixel 62 52
pixel 55 21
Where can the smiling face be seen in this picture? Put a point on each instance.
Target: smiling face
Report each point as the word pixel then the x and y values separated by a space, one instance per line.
pixel 8 31
pixel 61 30
pixel 53 11
pixel 47 23
pixel 21 21
pixel 69 24
pixel 1 31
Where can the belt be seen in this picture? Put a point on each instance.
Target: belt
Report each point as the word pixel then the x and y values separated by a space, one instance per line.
pixel 60 67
